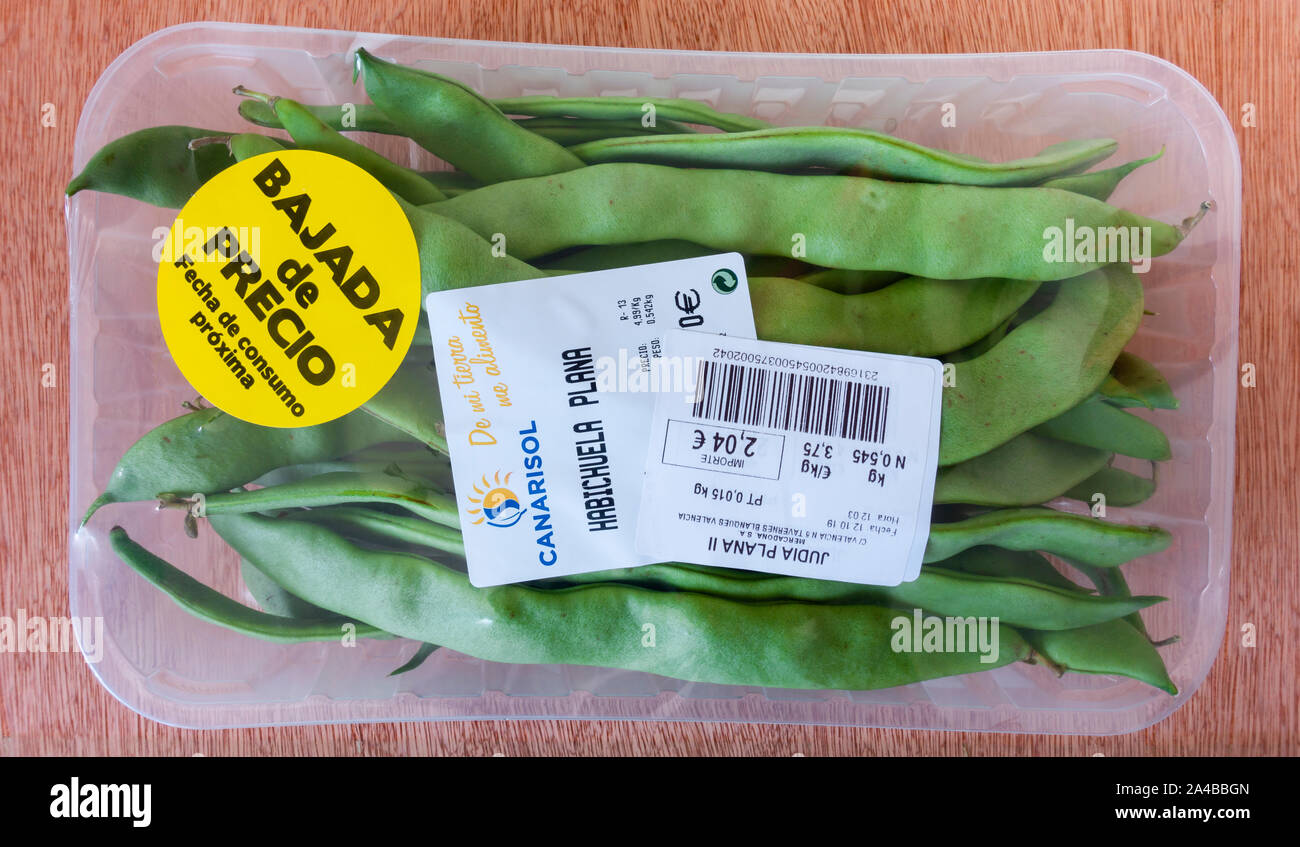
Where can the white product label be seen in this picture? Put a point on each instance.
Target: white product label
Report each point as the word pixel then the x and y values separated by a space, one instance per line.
pixel 795 460
pixel 547 390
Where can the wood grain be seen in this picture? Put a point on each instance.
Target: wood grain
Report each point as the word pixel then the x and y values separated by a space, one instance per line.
pixel 1244 52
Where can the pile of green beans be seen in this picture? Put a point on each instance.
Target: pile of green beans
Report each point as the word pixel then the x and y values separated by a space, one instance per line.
pixel 852 238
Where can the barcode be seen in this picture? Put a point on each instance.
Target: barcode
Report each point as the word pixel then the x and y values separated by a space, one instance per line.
pixel 815 405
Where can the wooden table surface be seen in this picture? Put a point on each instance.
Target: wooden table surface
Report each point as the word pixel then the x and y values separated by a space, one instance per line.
pixel 1244 52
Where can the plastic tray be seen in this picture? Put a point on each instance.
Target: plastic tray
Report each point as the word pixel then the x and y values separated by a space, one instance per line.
pixel 177 670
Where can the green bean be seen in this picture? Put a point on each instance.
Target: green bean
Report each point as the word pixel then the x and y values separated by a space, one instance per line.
pixel 453 256
pixel 348 117
pixel 1096 423
pixel 451 183
pixel 452 121
pixel 1073 537
pixel 425 651
pixel 209 450
pixel 1133 381
pixel 153 165
pixel 1070 344
pixel 623 255
pixel 628 108
pixel 246 145
pixel 782 266
pixel 1026 470
pixel 1099 184
pixel 327 490
pixel 851 282
pixel 1110 582
pixel 983 345
pixel 382 528
pixel 212 606
pixel 1119 487
pixel 1017 564
pixel 1013 601
pixel 687 636
pixel 310 133
pixel 365 117
pixel 858 152
pixel 1113 648
pixel 914 316
pixel 426 469
pixel 273 599
pixel 1044 366
pixel 1036 305
pixel 938 231
pixel 571 131
pixel 409 401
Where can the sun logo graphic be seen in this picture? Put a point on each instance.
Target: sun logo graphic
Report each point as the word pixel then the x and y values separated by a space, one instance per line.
pixel 495 504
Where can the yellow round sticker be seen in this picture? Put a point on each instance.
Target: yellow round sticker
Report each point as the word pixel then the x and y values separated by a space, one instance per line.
pixel 289 289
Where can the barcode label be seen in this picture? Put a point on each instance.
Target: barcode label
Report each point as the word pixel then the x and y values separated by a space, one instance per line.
pixel 815 405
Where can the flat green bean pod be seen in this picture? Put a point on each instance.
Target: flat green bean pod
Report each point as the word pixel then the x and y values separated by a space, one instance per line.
pixel 573 131
pixel 424 651
pixel 381 527
pixel 859 152
pixel 850 282
pixel 1099 184
pixel 1119 487
pixel 455 123
pixel 437 474
pixel 1073 537
pixel 1133 381
pixel 409 401
pixel 1017 564
pixel 454 256
pixel 310 133
pixel 366 117
pixel 1110 582
pixel 1043 367
pixel 628 108
pixel 1114 647
pixel 983 345
pixel 246 145
pixel 1028 469
pixel 154 165
pixel 451 183
pixel 937 231
pixel 623 255
pixel 212 606
pixel 210 450
pixel 697 637
pixel 1096 423
pixel 1014 601
pixel 346 117
pixel 273 599
pixel 327 490
pixel 913 317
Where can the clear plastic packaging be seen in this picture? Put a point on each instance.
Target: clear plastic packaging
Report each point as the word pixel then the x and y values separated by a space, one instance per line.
pixel 172 668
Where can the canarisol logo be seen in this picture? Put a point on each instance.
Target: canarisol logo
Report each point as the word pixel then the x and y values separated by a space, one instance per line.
pixel 493 503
